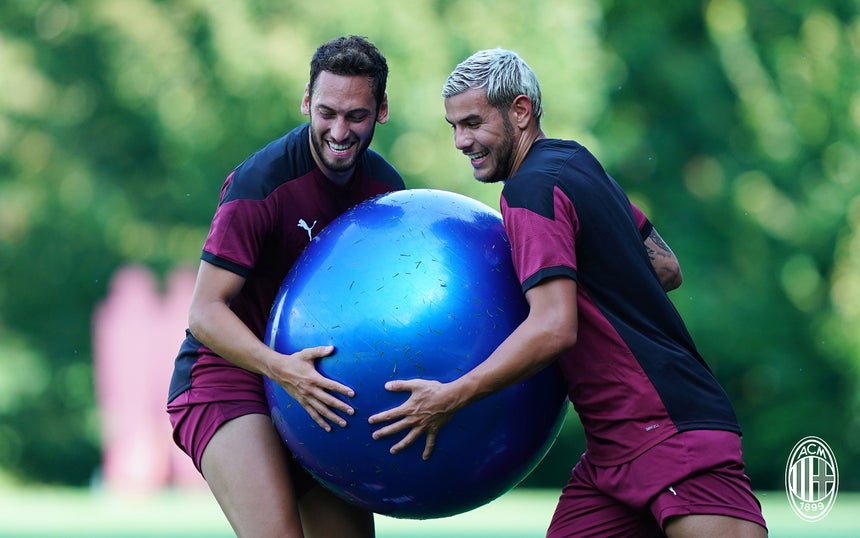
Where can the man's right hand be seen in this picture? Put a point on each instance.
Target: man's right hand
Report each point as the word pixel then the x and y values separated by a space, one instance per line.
pixel 298 375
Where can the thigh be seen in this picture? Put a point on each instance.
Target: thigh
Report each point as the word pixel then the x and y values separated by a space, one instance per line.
pixel 710 526
pixel 715 493
pixel 583 510
pixel 324 514
pixel 246 466
pixel 196 422
pixel 218 395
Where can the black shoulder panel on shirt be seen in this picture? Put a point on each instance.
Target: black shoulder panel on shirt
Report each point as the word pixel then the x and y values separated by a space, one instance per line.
pixel 283 159
pixel 289 157
pixel 533 185
pixel 375 166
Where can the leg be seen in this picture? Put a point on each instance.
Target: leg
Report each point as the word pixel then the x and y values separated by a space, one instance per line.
pixel 325 514
pixel 584 510
pixel 704 526
pixel 715 498
pixel 601 517
pixel 245 465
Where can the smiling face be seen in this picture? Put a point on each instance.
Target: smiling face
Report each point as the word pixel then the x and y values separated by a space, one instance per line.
pixel 343 115
pixel 483 133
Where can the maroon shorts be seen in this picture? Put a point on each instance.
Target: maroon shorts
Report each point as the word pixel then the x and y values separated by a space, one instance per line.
pixel 695 472
pixel 195 420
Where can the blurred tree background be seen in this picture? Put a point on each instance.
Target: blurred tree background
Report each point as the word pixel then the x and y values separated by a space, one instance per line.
pixel 733 124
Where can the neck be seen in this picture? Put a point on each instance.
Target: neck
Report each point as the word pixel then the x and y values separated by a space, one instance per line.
pixel 524 145
pixel 338 178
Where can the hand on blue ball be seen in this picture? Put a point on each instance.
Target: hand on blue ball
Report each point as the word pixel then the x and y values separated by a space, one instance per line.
pixel 426 411
pixel 298 375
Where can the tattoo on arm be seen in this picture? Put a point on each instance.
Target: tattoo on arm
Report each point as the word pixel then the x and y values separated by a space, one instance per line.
pixel 663 260
pixel 654 236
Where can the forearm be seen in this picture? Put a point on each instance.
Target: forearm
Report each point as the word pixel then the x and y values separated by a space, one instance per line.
pixel 218 328
pixel 663 261
pixel 670 277
pixel 548 331
pixel 527 351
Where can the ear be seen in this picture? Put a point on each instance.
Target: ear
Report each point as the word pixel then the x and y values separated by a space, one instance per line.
pixel 521 111
pixel 306 100
pixel 382 115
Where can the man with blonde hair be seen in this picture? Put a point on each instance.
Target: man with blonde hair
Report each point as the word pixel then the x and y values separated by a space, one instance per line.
pixel 663 444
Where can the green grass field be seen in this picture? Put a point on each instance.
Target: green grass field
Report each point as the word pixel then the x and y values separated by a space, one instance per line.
pixel 51 513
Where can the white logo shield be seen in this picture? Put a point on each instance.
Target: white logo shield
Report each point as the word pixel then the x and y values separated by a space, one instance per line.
pixel 811 479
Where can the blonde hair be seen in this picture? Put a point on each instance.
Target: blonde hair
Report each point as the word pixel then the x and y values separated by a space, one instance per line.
pixel 502 73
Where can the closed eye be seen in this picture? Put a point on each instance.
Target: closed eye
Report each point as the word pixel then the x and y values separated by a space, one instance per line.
pixel 357 117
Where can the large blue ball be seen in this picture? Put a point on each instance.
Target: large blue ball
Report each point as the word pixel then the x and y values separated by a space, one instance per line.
pixel 416 283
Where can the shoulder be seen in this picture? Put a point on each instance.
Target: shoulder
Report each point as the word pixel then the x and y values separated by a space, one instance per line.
pixel 552 153
pixel 534 185
pixel 281 160
pixel 377 168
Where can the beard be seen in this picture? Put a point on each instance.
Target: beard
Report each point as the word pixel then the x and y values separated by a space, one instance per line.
pixel 336 164
pixel 502 155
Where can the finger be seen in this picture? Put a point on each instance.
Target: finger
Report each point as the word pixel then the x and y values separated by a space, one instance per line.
pixel 399 385
pixel 328 405
pixel 390 414
pixel 429 445
pixel 318 418
pixel 404 443
pixel 332 402
pixel 327 415
pixel 312 354
pixel 319 351
pixel 391 429
pixel 334 386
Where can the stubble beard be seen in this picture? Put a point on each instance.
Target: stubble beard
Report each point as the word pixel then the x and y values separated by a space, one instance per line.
pixel 503 156
pixel 338 165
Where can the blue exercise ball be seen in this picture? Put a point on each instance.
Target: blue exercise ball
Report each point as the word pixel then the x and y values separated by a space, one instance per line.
pixel 415 283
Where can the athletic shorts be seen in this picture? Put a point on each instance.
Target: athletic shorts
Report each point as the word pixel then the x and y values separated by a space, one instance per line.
pixel 694 472
pixel 194 424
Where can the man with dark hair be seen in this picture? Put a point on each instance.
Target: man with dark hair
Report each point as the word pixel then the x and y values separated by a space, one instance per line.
pixel 271 207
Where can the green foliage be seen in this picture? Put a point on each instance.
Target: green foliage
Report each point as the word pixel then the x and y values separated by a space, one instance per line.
pixel 733 124
pixel 752 116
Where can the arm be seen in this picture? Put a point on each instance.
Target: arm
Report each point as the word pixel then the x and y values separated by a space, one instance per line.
pixel 214 324
pixel 549 329
pixel 664 261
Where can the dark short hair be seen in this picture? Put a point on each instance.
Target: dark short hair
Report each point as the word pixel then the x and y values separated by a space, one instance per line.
pixel 351 56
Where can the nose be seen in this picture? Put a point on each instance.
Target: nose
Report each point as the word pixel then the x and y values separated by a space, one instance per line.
pixel 339 129
pixel 462 138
